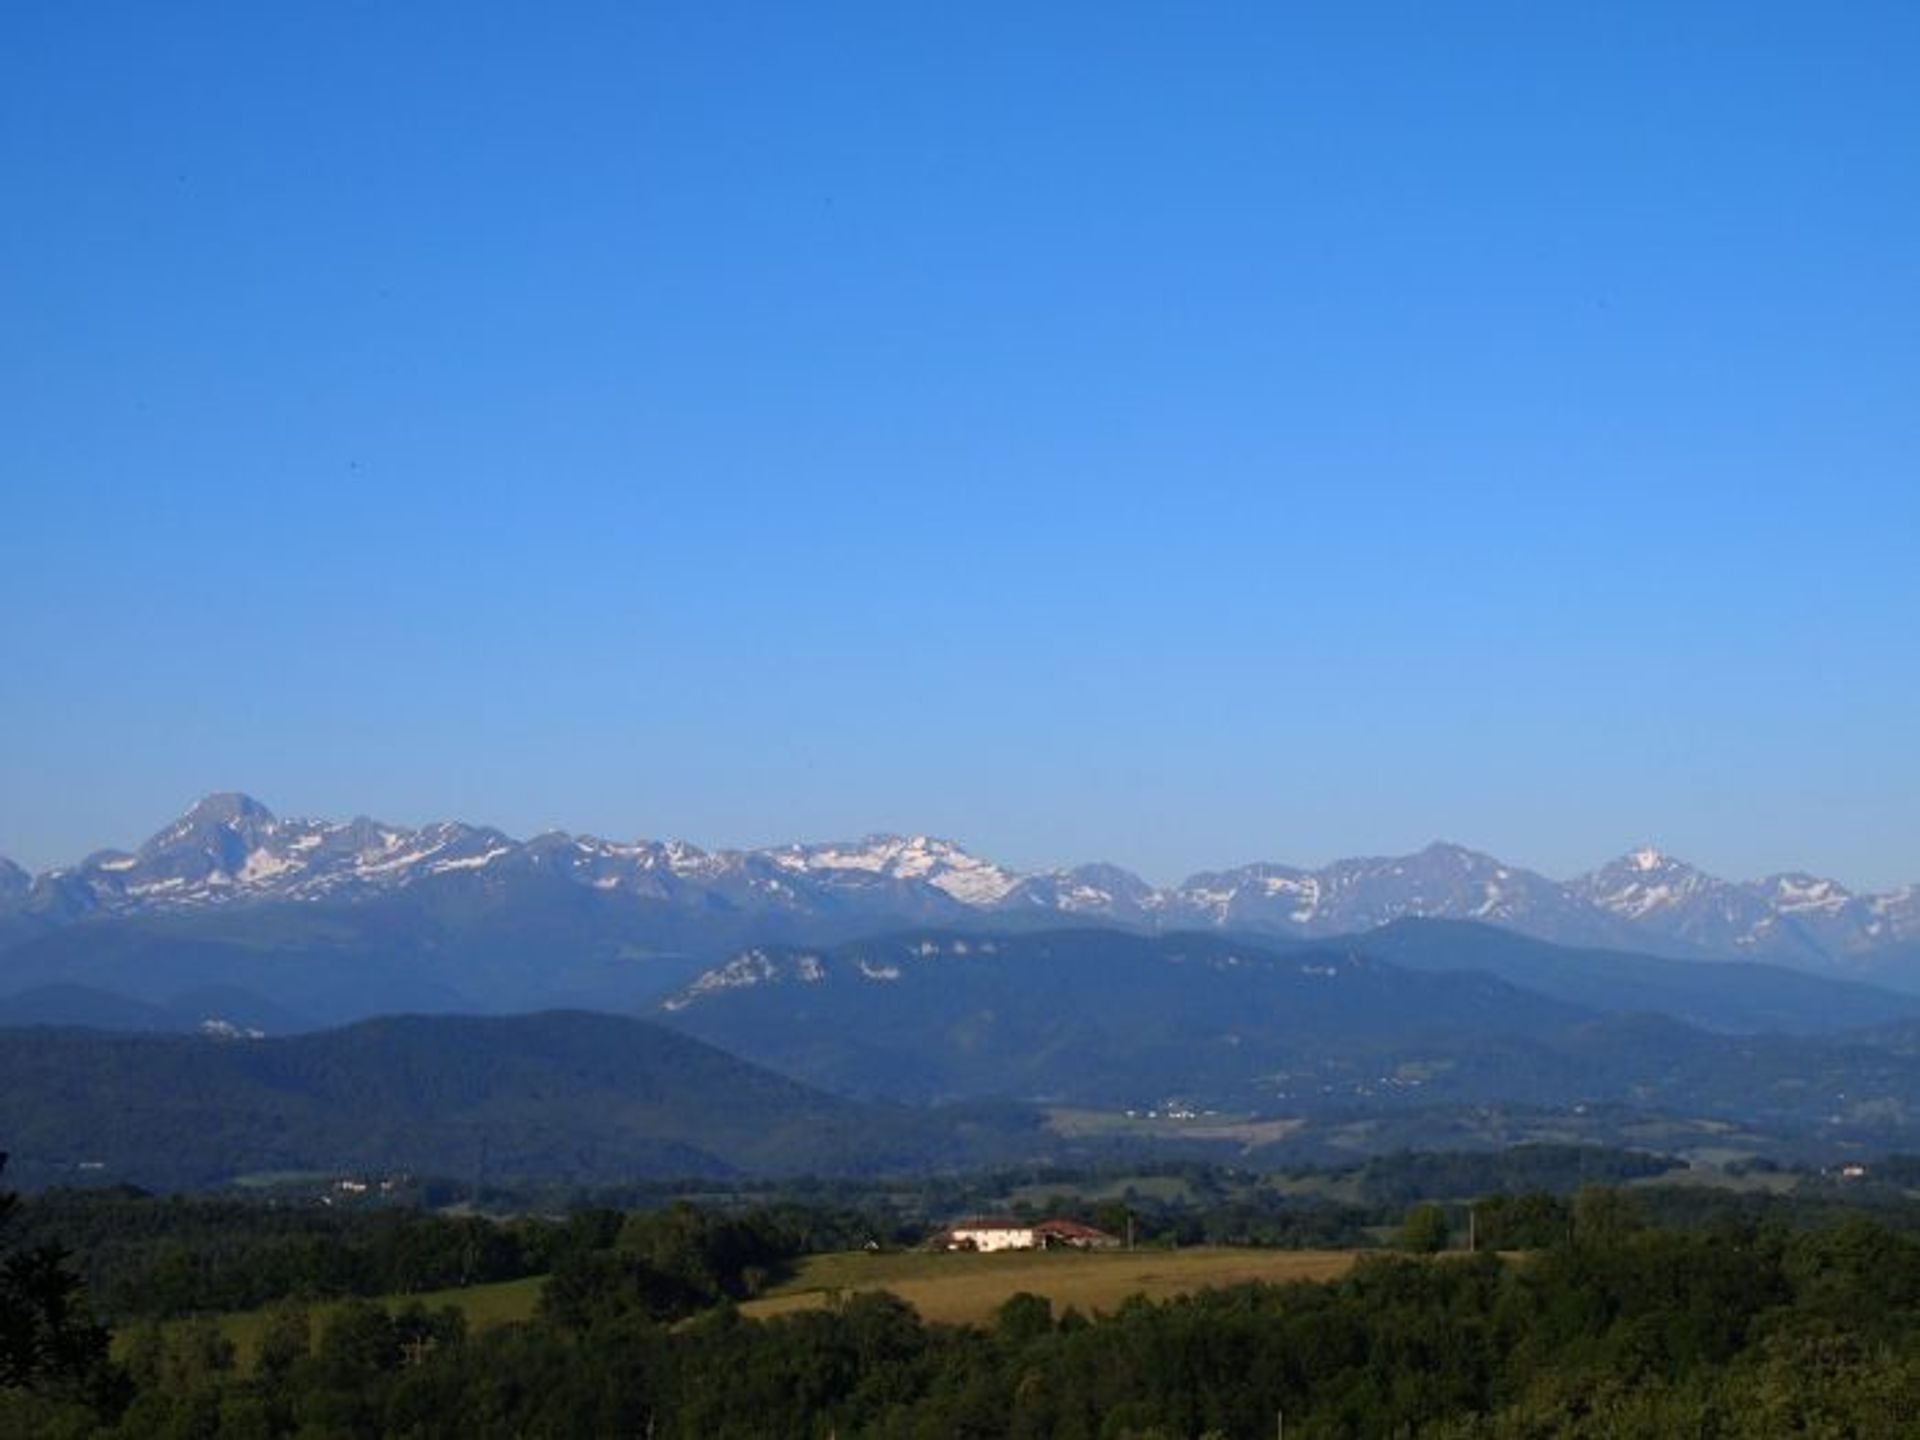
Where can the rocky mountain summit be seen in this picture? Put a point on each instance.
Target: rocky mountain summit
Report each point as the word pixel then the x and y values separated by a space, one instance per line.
pixel 229 849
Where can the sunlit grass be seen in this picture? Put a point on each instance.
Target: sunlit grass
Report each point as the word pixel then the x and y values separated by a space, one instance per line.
pixel 963 1288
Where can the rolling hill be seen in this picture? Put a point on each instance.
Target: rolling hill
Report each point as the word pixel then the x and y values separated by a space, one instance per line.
pixel 555 1095
pixel 1190 1023
pixel 1086 1017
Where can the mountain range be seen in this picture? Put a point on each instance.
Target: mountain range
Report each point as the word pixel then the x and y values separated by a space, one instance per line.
pixel 230 850
pixel 940 1049
pixel 1398 995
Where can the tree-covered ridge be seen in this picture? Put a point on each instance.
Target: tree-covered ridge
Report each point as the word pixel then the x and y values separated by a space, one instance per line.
pixel 562 1094
pixel 147 1257
pixel 1204 1022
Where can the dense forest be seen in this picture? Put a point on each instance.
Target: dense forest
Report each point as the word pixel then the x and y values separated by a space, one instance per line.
pixel 1590 1320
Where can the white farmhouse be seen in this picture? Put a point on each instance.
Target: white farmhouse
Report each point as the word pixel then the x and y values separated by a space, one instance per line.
pixel 991 1233
pixel 1001 1232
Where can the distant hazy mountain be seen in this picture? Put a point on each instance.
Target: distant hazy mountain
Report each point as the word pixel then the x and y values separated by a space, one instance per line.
pixel 230 852
pixel 230 848
pixel 1733 996
pixel 1795 918
pixel 557 1095
pixel 1178 1024
pixel 1354 895
pixel 1085 1016
pixel 83 1005
pixel 1194 1022
pixel 1098 892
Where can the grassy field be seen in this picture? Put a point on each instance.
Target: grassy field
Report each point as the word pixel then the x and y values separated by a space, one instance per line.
pixel 1243 1130
pixel 483 1305
pixel 955 1288
pixel 966 1289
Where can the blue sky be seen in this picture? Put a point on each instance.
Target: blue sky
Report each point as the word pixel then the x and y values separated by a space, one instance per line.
pixel 1172 434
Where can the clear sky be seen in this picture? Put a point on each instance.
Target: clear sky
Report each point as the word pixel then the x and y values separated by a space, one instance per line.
pixel 1175 434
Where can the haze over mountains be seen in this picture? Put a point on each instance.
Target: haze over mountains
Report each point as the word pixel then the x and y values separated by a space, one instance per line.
pixel 560 1094
pixel 905 971
pixel 1090 1018
pixel 944 1048
pixel 230 849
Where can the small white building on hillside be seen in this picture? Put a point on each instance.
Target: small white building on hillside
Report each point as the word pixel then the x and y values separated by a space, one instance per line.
pixel 1001 1232
pixel 990 1233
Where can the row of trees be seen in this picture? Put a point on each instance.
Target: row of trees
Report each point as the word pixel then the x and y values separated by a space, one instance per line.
pixel 145 1256
pixel 1535 1220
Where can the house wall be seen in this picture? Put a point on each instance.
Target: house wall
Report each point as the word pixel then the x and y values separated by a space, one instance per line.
pixel 1022 1239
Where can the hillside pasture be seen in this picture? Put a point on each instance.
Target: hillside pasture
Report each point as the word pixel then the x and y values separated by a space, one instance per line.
pixel 965 1288
pixel 953 1288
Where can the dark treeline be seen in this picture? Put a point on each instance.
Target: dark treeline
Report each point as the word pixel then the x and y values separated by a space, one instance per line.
pixel 1301 1207
pixel 143 1256
pixel 1616 1329
pixel 1389 1179
pixel 147 1257
pixel 1315 1206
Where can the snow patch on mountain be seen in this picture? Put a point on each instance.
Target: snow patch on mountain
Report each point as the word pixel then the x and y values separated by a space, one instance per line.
pixel 230 849
pixel 939 863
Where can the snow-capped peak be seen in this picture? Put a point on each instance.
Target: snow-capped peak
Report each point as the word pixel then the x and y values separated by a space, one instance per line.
pixel 230 848
pixel 228 812
pixel 940 863
pixel 1798 891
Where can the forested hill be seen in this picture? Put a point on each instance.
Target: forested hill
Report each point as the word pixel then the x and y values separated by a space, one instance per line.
pixel 1089 1016
pixel 1205 1022
pixel 559 1094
